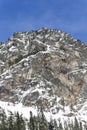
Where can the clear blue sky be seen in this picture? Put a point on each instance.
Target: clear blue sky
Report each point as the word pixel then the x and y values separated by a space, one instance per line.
pixel 23 15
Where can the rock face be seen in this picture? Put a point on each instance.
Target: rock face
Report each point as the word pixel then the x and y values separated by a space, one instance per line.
pixel 44 68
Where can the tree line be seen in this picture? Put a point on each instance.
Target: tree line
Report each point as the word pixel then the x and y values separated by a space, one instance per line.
pixel 39 122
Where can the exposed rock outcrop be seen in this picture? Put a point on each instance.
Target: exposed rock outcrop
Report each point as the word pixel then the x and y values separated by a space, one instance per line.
pixel 43 68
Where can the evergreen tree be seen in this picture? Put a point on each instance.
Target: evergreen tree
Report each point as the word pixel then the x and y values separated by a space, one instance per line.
pixel 11 122
pixel 80 126
pixel 76 124
pixel 31 122
pixel 19 123
pixel 16 122
pixel 3 119
pixel 43 124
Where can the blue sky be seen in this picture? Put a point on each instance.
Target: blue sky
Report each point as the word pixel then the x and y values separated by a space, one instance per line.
pixel 23 15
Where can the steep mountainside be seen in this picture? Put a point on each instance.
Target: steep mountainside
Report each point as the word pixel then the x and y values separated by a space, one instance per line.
pixel 45 69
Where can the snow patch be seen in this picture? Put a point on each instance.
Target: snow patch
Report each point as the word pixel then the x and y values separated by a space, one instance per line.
pixel 17 108
pixel 13 49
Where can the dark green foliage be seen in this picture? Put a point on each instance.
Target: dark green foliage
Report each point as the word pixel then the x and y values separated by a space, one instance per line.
pixel 16 60
pixel 11 125
pixel 10 62
pixel 13 122
pixel 62 48
pixel 32 122
pixel 3 120
pixel 76 126
pixel 79 42
pixel 38 123
pixel 17 122
pixel 80 126
pixel 19 58
pixel 33 52
pixel 43 124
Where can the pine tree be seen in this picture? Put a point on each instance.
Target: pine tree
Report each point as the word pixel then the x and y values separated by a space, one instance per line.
pixel 3 120
pixel 76 124
pixel 43 124
pixel 11 122
pixel 31 122
pixel 80 126
pixel 20 123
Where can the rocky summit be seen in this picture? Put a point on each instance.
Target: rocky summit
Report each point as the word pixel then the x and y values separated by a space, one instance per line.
pixel 47 69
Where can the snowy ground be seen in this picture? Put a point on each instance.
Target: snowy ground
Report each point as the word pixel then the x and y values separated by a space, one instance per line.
pixel 25 111
pixel 17 108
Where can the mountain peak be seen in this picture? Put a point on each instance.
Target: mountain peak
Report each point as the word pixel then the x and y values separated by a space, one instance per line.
pixel 45 68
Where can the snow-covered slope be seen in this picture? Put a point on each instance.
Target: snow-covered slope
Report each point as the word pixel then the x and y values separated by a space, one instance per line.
pixel 44 69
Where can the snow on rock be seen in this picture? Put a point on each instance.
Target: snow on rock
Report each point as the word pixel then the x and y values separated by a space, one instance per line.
pixel 13 49
pixel 62 115
pixel 44 68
